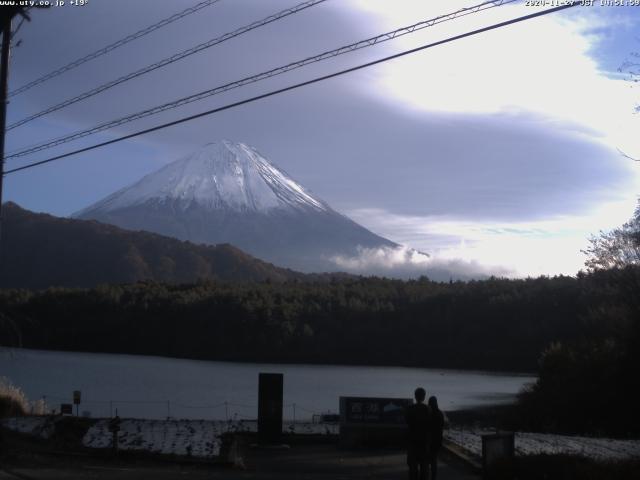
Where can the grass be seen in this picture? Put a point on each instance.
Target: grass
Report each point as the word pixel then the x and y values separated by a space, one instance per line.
pixel 14 402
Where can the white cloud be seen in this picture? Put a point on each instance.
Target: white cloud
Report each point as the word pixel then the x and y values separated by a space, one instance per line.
pixel 383 257
pixel 406 262
pixel 538 74
pixel 544 66
pixel 485 247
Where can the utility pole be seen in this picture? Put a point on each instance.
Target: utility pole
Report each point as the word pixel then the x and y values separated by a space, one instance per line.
pixel 7 16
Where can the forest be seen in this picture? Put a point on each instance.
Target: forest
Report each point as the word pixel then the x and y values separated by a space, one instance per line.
pixel 40 250
pixel 496 324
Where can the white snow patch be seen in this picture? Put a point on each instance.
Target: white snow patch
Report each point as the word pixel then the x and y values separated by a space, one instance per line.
pixel 544 443
pixel 198 438
pixel 37 426
pixel 202 438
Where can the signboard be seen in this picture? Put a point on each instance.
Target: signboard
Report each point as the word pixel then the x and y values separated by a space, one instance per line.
pixel 270 391
pixel 372 410
pixel 66 409
pixel 372 421
pixel 76 397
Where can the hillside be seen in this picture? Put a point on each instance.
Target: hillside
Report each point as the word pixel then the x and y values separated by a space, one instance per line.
pixel 40 250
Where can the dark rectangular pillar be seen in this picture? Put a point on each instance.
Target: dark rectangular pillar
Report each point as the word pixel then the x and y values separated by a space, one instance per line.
pixel 270 391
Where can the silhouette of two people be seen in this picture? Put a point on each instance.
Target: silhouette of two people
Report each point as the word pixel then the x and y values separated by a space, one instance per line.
pixel 425 424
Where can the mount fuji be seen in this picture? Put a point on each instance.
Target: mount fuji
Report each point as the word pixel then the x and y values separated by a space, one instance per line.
pixel 227 192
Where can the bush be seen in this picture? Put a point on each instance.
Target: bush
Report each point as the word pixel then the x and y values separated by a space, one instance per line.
pixel 591 384
pixel 578 390
pixel 14 402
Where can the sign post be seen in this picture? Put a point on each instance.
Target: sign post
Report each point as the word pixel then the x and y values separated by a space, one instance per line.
pixel 114 428
pixel 76 400
pixel 498 450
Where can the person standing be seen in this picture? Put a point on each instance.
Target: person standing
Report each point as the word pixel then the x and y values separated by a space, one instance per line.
pixel 437 425
pixel 418 418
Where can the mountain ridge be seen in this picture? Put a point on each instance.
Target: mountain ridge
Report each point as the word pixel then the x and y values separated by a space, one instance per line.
pixel 40 251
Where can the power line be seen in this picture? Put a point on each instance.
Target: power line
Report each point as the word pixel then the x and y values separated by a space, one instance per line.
pixel 16 30
pixel 263 76
pixel 169 60
pixel 298 85
pixel 113 46
pixel 219 405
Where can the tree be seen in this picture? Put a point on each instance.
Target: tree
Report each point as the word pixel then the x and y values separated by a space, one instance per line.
pixel 618 248
pixel 630 68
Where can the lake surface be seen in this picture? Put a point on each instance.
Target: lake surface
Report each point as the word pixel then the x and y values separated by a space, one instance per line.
pixel 157 387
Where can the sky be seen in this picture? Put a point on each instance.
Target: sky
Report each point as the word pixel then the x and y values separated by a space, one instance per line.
pixel 498 154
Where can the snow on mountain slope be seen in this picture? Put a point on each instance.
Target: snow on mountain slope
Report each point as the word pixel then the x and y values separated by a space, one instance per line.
pixel 227 192
pixel 221 175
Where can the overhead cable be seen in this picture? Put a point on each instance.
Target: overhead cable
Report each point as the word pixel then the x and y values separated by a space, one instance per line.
pixel 296 86
pixel 167 61
pixel 113 46
pixel 261 76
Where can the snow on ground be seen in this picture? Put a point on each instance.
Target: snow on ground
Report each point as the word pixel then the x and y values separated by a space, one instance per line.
pixel 177 437
pixel 198 438
pixel 202 438
pixel 40 427
pixel 535 443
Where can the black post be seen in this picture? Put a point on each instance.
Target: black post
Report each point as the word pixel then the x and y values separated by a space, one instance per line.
pixel 270 392
pixel 4 83
pixel 114 428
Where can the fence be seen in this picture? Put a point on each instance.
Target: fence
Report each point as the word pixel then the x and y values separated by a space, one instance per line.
pixel 160 409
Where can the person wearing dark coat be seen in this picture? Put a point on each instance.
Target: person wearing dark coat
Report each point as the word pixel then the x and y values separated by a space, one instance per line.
pixel 418 418
pixel 437 425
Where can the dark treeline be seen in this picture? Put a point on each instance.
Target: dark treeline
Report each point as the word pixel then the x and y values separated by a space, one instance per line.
pixel 591 383
pixel 493 324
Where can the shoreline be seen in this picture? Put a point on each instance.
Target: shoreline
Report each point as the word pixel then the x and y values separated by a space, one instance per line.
pixel 506 373
pixel 499 416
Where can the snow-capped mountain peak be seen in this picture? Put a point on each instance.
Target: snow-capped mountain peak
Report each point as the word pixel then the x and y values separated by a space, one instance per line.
pixel 221 175
pixel 227 192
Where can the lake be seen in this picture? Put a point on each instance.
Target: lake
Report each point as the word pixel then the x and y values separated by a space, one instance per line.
pixel 157 387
